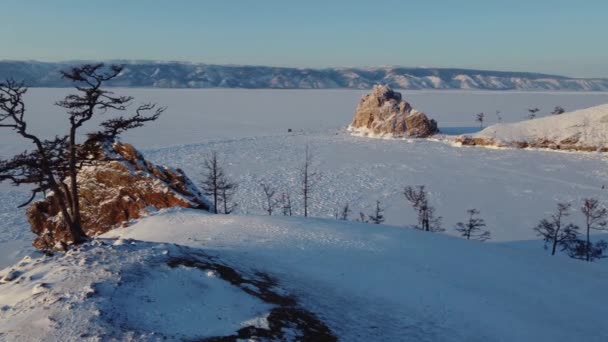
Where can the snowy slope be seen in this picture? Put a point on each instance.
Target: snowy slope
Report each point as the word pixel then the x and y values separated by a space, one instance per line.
pixel 120 290
pixel 586 128
pixel 365 282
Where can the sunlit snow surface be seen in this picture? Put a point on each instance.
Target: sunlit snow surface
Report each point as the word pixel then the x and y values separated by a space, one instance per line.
pixel 513 189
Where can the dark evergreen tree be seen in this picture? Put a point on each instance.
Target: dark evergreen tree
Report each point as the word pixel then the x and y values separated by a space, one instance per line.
pixel 308 180
pixel 270 203
pixel 555 232
pixel 479 118
pixel 595 219
pixel 286 204
pixel 558 110
pixel 378 216
pixel 418 198
pixel 216 184
pixel 532 113
pixel 472 229
pixel 345 212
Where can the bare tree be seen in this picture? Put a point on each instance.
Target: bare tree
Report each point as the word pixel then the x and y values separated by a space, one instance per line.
pixel 558 110
pixel 418 198
pixel 81 107
pixel 498 116
pixel 378 216
pixel 337 214
pixel 216 184
pixel 54 164
pixel 308 179
pixel 553 230
pixel 345 212
pixel 227 189
pixel 269 202
pixel 116 126
pixel 362 218
pixel 44 167
pixel 479 118
pixel 472 228
pixel 211 181
pixel 595 218
pixel 580 249
pixel 286 204
pixel 532 113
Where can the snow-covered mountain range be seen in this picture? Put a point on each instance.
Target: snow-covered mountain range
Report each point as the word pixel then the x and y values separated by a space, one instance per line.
pixel 198 75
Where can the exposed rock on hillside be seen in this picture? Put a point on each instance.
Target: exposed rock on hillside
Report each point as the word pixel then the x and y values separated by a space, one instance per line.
pixel 119 186
pixel 383 112
pixel 582 130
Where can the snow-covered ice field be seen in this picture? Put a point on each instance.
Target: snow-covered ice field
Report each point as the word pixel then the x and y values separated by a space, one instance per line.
pixel 513 189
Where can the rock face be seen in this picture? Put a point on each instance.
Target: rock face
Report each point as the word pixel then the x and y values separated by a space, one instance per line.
pixel 383 112
pixel 118 187
pixel 567 144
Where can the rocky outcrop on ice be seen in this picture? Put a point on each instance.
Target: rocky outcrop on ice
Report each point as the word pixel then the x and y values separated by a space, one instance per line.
pixel 384 113
pixel 581 130
pixel 118 186
pixel 197 75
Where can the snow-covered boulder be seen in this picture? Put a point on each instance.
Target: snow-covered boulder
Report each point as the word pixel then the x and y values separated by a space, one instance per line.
pixel 118 186
pixel 581 130
pixel 384 113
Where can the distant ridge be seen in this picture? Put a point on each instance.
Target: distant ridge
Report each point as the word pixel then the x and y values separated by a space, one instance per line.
pixel 198 75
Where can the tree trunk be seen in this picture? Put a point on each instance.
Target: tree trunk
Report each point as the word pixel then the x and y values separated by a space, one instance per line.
pixel 62 197
pixel 77 232
pixel 215 184
pixel 225 200
pixel 306 191
pixel 588 246
pixel 555 241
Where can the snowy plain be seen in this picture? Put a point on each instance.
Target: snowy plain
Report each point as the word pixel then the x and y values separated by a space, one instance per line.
pixel 512 189
pixel 366 282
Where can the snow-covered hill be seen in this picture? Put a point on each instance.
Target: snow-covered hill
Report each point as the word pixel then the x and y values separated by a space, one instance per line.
pixel 294 277
pixel 585 129
pixel 193 75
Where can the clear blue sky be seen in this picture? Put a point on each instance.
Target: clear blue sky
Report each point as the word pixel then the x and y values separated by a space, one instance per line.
pixel 567 37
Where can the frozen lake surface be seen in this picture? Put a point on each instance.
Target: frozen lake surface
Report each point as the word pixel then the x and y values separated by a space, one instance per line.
pixel 512 189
